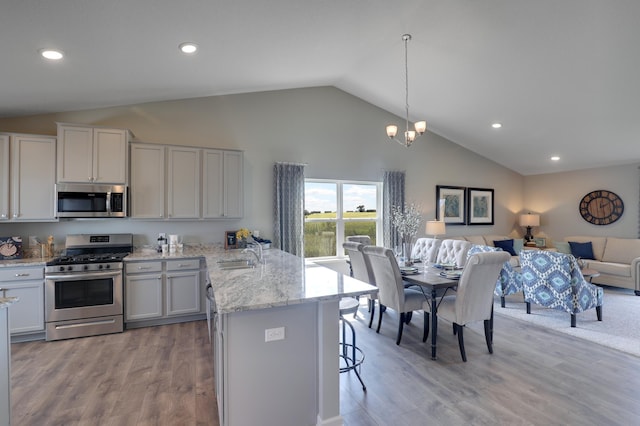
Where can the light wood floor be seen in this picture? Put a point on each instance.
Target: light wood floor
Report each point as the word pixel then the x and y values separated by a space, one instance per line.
pixel 163 376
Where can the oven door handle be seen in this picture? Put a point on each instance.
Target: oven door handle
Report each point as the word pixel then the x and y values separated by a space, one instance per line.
pixel 82 276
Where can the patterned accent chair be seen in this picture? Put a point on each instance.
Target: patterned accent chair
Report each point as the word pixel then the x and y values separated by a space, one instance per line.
pixel 509 281
pixel 426 249
pixel 453 251
pixel 554 280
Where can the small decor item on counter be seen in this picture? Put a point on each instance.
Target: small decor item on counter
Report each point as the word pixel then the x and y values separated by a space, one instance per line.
pixel 162 240
pixel 10 248
pixel 241 237
pixel 48 248
pixel 262 241
pixel 230 241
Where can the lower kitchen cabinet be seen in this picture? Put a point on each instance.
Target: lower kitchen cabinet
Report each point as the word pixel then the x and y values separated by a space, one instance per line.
pixel 5 367
pixel 27 283
pixel 162 291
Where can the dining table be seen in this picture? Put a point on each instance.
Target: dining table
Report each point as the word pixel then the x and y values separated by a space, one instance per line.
pixel 428 277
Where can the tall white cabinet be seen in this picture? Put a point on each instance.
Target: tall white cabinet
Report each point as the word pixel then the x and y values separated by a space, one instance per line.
pixel 198 183
pixel 4 177
pixel 92 154
pixel 27 178
pixel 222 187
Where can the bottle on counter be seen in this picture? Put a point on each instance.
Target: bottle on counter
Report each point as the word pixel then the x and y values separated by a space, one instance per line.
pixel 162 240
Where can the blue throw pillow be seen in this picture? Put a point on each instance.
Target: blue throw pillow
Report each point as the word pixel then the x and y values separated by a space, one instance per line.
pixel 506 245
pixel 582 250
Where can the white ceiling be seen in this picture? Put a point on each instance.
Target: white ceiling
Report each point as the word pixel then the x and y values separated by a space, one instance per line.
pixel 562 76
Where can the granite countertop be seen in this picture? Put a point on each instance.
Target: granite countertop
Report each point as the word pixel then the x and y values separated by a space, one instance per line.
pixel 282 280
pixel 29 261
pixel 5 302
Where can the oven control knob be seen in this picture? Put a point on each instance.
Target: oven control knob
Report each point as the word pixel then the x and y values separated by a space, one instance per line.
pixel 62 269
pixel 69 268
pixel 99 266
pixel 86 267
pixel 107 266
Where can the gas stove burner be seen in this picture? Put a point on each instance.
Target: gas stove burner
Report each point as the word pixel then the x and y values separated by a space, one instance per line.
pixel 87 258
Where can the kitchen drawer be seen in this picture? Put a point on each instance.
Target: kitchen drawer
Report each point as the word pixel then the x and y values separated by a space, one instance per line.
pixel 183 264
pixel 21 274
pixel 143 267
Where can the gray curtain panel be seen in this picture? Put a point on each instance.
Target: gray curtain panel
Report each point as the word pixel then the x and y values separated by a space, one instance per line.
pixel 289 207
pixel 392 195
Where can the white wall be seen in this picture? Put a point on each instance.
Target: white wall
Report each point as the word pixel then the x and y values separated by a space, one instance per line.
pixel 557 196
pixel 336 134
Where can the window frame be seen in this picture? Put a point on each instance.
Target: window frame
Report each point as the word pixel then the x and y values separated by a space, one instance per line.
pixel 339 219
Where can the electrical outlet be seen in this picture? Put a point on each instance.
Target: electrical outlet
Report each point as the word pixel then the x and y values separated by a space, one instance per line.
pixel 271 334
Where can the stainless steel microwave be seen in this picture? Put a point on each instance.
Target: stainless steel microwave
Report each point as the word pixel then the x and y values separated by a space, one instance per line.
pixel 88 200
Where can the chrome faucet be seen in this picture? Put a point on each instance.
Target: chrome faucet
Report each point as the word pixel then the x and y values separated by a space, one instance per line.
pixel 257 253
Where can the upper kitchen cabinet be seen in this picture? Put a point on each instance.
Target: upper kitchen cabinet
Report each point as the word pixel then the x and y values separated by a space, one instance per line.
pixel 4 177
pixel 222 187
pixel 92 154
pixel 165 189
pixel 27 177
pixel 147 181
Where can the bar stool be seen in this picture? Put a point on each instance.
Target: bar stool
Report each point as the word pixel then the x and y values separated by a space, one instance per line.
pixel 349 352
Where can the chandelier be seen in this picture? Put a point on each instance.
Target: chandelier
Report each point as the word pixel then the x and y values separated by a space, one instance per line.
pixel 420 126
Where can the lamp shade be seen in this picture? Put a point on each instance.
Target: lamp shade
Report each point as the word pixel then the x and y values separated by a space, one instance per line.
pixel 435 227
pixel 530 220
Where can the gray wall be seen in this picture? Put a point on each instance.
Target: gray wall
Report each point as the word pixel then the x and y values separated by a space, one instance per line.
pixel 336 134
pixel 556 198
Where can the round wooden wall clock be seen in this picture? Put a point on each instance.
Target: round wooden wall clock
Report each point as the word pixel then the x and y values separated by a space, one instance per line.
pixel 601 207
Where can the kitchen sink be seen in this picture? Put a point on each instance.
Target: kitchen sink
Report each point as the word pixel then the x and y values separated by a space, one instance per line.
pixel 236 264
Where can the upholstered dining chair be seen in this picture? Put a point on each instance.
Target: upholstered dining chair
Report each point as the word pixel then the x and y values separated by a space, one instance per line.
pixel 391 291
pixel 361 270
pixel 362 239
pixel 426 249
pixel 453 251
pixel 509 281
pixel 554 280
pixel 473 300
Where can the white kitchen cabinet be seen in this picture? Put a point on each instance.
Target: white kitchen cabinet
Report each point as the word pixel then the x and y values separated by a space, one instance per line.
pixel 223 187
pixel 183 183
pixel 147 181
pixel 32 177
pixel 4 177
pixel 183 287
pixel 162 291
pixel 5 366
pixel 27 283
pixel 92 154
pixel 198 183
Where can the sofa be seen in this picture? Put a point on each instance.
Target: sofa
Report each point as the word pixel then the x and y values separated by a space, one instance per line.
pixel 488 240
pixel 616 259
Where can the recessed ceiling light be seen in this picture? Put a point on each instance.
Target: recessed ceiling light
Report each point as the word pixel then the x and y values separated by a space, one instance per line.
pixel 51 54
pixel 188 47
pixel 496 125
pixel 555 158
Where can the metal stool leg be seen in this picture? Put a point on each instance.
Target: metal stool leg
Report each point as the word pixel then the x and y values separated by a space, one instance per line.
pixel 352 362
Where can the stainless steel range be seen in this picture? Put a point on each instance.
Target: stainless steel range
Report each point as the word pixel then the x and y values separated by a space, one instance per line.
pixel 83 288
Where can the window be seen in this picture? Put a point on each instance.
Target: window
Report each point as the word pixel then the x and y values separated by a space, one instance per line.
pixel 335 209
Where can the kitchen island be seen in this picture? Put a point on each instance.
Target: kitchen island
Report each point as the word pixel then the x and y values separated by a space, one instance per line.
pixel 276 340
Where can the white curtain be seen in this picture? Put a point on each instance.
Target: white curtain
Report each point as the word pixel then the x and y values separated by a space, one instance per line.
pixel 289 207
pixel 392 195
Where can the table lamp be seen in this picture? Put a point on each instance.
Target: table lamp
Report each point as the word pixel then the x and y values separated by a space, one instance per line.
pixel 435 228
pixel 529 220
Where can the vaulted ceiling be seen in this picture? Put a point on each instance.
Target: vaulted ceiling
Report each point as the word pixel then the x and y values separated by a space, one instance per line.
pixel 561 76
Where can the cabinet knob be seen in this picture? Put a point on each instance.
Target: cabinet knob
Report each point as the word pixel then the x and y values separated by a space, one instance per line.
pixel 15 215
pixel 22 275
pixel 3 215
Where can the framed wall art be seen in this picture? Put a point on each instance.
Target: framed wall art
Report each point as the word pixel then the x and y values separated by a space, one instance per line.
pixel 230 240
pixel 480 202
pixel 451 204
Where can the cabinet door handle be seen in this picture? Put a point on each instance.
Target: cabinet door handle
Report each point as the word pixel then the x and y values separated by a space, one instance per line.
pixel 144 267
pixel 15 215
pixel 182 265
pixel 24 274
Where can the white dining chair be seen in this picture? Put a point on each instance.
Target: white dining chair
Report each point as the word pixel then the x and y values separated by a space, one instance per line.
pixel 473 300
pixel 391 291
pixel 453 251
